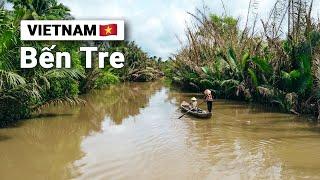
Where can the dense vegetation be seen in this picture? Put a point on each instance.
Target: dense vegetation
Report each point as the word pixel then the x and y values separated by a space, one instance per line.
pixel 24 91
pixel 279 64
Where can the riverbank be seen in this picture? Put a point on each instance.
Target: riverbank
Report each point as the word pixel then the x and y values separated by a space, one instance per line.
pixel 26 91
pixel 269 106
pixel 269 67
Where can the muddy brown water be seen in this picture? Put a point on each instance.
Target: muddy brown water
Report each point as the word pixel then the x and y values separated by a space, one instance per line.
pixel 131 131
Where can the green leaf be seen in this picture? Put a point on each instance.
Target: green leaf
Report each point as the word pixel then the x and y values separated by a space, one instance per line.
pixel 305 63
pixel 205 70
pixel 295 74
pixel 230 82
pixel 285 75
pixel 232 59
pixel 10 79
pixel 206 83
pixel 244 60
pixel 253 77
pixel 64 73
pixel 286 78
pixel 262 64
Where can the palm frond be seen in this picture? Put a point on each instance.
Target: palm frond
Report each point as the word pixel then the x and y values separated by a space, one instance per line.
pixel 230 83
pixel 10 80
pixel 64 73
pixel 253 77
pixel 262 64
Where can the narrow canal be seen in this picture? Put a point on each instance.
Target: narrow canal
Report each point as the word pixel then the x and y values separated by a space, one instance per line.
pixel 132 131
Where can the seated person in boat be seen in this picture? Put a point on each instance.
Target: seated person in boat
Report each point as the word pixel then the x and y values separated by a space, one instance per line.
pixel 194 104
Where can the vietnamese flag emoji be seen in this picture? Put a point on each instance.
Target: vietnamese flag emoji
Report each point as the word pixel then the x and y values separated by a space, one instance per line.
pixel 109 29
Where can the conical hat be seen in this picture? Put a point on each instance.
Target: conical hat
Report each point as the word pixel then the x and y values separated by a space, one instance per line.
pixel 193 99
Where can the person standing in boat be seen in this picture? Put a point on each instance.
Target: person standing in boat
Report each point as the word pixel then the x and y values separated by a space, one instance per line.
pixel 208 99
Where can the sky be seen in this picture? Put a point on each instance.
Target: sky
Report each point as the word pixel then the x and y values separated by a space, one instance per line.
pixel 157 25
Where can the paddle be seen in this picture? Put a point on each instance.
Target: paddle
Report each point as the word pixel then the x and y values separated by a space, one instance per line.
pixel 190 110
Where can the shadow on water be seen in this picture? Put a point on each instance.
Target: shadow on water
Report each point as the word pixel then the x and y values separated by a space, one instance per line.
pixel 119 102
pixel 16 124
pixel 4 138
pixel 240 138
pixel 11 124
pixel 50 115
pixel 46 146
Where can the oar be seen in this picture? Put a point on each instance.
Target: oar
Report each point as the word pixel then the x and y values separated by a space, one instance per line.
pixel 190 110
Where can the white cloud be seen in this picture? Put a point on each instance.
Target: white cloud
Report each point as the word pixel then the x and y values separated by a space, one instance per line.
pixel 155 24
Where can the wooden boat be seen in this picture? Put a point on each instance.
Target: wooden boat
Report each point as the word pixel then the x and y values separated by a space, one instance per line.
pixel 199 113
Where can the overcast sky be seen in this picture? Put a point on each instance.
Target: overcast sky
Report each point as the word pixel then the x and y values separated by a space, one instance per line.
pixel 154 25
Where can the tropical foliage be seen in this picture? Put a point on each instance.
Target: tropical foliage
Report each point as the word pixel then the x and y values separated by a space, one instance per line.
pixel 267 66
pixel 138 66
pixel 24 91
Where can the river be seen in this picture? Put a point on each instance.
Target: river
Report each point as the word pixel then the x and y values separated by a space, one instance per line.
pixel 132 131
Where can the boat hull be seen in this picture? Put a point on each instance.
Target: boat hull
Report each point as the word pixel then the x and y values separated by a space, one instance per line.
pixel 198 114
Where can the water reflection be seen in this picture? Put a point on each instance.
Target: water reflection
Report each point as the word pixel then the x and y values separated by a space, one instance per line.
pixel 132 131
pixel 46 147
pixel 119 102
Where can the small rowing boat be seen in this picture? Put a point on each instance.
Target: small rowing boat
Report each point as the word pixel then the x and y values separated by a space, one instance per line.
pixel 199 113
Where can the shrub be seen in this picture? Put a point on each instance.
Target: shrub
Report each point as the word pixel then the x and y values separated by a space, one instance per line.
pixel 105 79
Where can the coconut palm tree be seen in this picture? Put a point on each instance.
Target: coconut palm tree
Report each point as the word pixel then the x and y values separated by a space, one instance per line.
pixel 24 91
pixel 40 9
